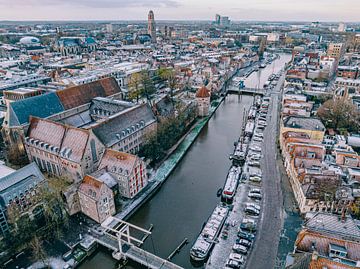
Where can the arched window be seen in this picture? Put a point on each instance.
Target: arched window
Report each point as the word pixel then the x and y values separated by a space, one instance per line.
pixel 93 150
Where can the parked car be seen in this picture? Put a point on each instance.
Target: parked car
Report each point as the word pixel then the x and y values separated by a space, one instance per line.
pixel 237 248
pixel 255 157
pixel 255 196
pixel 245 235
pixel 237 257
pixel 255 190
pixel 244 242
pixel 258 139
pixel 254 163
pixel 256 206
pixel 233 264
pixel 262 123
pixel 252 211
pixel 255 179
pixel 255 148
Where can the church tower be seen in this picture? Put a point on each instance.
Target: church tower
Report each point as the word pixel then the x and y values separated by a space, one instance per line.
pixel 152 26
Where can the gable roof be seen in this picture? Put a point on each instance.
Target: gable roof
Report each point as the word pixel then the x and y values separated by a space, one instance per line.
pixel 46 131
pixel 327 223
pixel 40 106
pixel 203 92
pixel 79 95
pixel 70 141
pixel 91 187
pixel 75 139
pixel 109 130
pixel 15 183
pixel 118 162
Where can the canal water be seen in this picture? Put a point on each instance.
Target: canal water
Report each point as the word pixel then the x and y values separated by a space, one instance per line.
pixel 188 197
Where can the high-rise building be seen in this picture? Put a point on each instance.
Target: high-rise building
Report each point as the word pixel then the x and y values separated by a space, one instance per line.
pixel 152 26
pixel 342 27
pixel 217 19
pixel 109 28
pixel 224 21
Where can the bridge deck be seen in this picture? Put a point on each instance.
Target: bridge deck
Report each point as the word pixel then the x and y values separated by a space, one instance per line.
pixel 136 254
pixel 247 90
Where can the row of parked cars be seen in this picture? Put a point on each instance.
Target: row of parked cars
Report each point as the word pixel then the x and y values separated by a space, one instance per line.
pixel 248 226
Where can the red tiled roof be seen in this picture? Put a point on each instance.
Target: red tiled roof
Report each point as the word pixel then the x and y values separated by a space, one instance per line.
pixel 322 263
pixel 82 94
pixel 117 159
pixel 203 92
pixel 305 239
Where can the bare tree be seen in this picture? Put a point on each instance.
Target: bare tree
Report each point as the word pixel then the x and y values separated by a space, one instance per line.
pixel 339 113
pixel 38 251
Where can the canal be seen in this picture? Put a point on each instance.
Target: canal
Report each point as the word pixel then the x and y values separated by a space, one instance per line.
pixel 188 197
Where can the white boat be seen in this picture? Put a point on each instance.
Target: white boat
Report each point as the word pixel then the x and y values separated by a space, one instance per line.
pixel 201 249
pixel 249 128
pixel 231 184
pixel 240 152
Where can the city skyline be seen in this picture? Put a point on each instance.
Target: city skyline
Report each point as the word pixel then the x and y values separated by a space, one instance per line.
pixel 258 10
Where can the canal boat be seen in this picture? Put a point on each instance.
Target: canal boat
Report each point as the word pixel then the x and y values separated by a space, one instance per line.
pixel 239 155
pixel 204 243
pixel 249 128
pixel 231 183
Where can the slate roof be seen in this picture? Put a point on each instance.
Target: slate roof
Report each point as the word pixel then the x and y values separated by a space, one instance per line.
pixel 41 106
pixel 17 182
pixel 108 131
pixel 304 123
pixel 330 223
pixel 79 95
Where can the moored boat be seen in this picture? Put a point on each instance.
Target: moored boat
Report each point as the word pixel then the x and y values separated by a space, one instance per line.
pixel 203 245
pixel 231 184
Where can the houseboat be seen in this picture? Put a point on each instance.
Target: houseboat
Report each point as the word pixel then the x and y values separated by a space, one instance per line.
pixel 231 184
pixel 203 245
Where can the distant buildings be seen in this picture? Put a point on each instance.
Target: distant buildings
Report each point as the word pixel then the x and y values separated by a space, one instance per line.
pixel 222 20
pixel 68 45
pixel 109 28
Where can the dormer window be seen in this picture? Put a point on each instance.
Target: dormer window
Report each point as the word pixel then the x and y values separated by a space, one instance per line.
pixel 337 251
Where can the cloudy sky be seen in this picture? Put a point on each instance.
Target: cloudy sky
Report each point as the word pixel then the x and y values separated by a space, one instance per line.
pixel 274 10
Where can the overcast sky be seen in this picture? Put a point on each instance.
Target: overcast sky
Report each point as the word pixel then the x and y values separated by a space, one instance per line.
pixel 274 10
